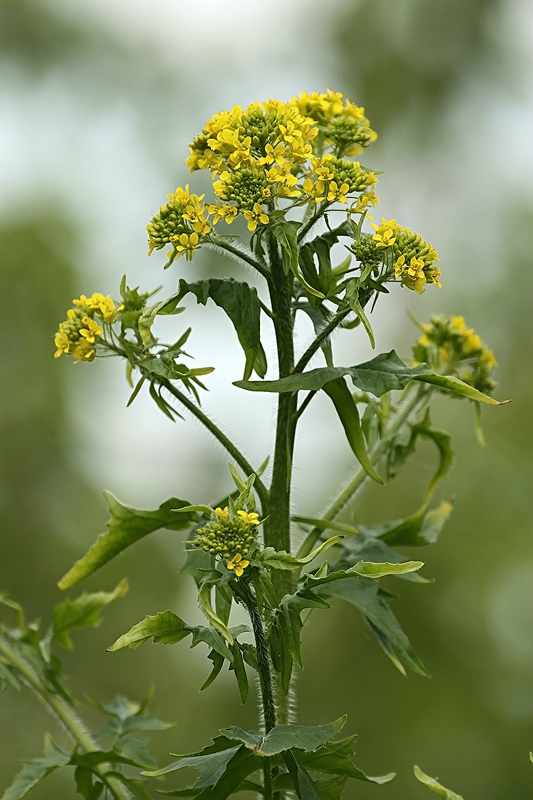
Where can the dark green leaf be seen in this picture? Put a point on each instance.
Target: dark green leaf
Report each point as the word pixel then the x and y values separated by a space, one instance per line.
pixel 335 758
pixel 239 669
pixel 365 595
pixel 421 528
pixel 241 304
pixel 346 408
pixel 147 318
pixel 84 784
pixel 35 770
pixel 82 612
pixel 378 376
pixel 434 786
pixel 284 737
pixel 135 785
pixel 286 234
pixel 127 526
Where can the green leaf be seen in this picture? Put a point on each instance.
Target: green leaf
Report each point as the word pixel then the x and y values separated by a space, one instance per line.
pixel 335 758
pixel 285 737
pixel 35 770
pixel 286 232
pixel 147 318
pixel 204 601
pixel 382 374
pixel 83 778
pixel 457 386
pixel 369 549
pixel 237 665
pixel 127 526
pixel 135 785
pixel 346 408
pixel 242 306
pixel 137 750
pixel 352 296
pixel 435 787
pixel 365 595
pixel 421 528
pixel 280 559
pixel 84 612
pixel 328 524
pixel 210 766
pixel 167 628
pixel 369 569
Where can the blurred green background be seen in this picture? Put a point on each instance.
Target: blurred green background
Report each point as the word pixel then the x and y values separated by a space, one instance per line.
pixel 98 101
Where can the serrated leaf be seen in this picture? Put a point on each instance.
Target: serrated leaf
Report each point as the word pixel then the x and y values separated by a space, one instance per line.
pixel 167 628
pixel 137 750
pixel 211 766
pixel 83 612
pixel 127 526
pixel 307 738
pixel 435 786
pixel 35 770
pixel 241 304
pixel 382 374
pixel 346 408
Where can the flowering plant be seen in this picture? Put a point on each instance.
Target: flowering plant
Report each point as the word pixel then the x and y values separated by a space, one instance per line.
pixel 285 169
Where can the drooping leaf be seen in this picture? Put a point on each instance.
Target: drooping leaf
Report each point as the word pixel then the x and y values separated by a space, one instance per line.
pixel 369 569
pixel 382 374
pixel 167 628
pixel 435 786
pixel 204 601
pixel 127 526
pixel 365 595
pixel 307 738
pixel 237 665
pixel 346 408
pixel 459 387
pixel 35 770
pixel 241 303
pixel 286 232
pixel 84 611
pixel 352 295
pixel 335 758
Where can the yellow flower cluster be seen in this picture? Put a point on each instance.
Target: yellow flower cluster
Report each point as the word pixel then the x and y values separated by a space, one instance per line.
pixel 230 537
pixel 452 348
pixel 78 334
pixel 344 125
pixel 414 258
pixel 181 222
pixel 333 178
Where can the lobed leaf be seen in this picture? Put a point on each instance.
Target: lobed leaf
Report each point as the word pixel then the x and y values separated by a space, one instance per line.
pixel 127 526
pixel 35 770
pixel 285 737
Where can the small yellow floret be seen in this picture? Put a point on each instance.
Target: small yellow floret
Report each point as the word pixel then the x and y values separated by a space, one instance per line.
pixel 222 512
pixel 238 563
pixel 250 518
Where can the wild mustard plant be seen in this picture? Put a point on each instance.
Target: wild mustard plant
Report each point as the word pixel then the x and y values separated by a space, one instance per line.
pixel 289 171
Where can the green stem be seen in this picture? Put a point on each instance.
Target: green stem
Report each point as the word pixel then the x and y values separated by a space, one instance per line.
pixel 63 712
pixel 306 227
pixel 243 255
pixel 324 334
pixel 361 475
pixel 277 529
pixel 228 445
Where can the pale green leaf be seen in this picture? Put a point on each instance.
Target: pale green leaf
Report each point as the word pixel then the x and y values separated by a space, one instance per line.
pixel 35 770
pixel 435 786
pixel 370 569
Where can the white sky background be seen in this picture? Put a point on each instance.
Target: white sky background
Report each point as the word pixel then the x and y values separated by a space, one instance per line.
pixel 95 162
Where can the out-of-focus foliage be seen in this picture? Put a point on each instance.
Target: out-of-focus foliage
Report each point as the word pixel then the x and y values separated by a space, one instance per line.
pixel 404 59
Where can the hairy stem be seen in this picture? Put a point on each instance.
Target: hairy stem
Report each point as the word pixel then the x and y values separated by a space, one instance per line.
pixel 62 711
pixel 228 445
pixel 324 334
pixel 242 255
pixel 306 227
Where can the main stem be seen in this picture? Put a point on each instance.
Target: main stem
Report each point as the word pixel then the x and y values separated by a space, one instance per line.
pixel 62 711
pixel 277 529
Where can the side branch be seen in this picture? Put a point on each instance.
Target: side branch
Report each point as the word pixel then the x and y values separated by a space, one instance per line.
pixel 242 255
pixel 324 334
pixel 226 443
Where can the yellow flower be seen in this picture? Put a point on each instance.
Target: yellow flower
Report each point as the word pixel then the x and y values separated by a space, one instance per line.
pixel 91 330
pixel 238 563
pixel 250 518
pixel 186 244
pixel 255 216
pixel 224 211
pixel 222 512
